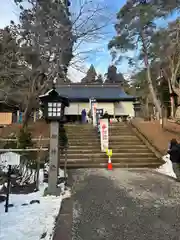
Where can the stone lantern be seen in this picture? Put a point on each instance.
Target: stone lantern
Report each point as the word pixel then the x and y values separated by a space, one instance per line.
pixel 53 110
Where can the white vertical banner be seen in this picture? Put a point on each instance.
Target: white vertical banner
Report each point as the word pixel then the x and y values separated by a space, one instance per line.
pixel 104 134
pixel 94 107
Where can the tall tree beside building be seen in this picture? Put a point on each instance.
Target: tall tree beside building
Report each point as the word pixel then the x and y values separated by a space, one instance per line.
pixel 112 76
pixel 135 27
pixel 136 21
pixel 99 79
pixel 45 35
pixel 11 69
pixel 90 75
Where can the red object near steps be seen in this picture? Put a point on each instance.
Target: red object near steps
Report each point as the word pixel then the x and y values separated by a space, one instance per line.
pixel 110 167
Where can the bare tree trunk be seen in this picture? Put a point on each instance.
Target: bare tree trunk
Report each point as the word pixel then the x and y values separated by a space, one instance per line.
pixel 27 114
pixel 149 80
pixel 172 104
pixel 152 92
pixel 177 91
pixel 147 108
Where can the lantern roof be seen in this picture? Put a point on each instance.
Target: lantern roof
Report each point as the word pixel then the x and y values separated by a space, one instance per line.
pixel 53 96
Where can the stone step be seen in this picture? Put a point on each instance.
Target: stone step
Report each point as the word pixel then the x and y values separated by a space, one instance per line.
pixel 76 125
pixel 118 127
pixel 115 133
pixel 97 150
pixel 84 143
pixel 83 147
pixel 119 137
pixel 126 145
pixel 123 126
pixel 81 128
pixel 92 137
pixel 83 151
pixel 88 139
pixel 69 130
pixel 78 131
pixel 124 141
pixel 82 136
pixel 114 146
pixel 104 159
pixel 131 150
pixel 118 155
pixel 115 165
pixel 95 135
pixel 113 140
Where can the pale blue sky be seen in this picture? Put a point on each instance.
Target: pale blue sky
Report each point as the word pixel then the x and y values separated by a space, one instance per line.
pixel 8 11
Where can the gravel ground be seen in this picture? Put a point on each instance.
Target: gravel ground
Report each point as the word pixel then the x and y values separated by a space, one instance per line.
pixel 124 205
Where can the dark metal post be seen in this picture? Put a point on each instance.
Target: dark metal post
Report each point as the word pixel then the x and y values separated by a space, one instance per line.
pixel 8 188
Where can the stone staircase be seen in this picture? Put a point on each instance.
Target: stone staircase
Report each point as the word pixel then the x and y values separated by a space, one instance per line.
pixel 84 147
pixel 128 150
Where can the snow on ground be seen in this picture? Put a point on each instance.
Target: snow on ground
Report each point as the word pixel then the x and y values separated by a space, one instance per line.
pixel 31 221
pixel 166 168
pixel 61 172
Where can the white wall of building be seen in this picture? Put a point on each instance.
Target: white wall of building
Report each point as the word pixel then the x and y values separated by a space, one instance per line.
pixel 117 109
pixel 124 108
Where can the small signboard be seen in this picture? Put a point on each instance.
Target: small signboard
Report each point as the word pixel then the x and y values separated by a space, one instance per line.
pixel 99 111
pixel 10 158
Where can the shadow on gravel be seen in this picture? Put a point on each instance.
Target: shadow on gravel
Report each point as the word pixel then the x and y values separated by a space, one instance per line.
pixel 103 211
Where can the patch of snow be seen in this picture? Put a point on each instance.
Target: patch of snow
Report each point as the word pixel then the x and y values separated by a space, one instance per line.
pixel 61 171
pixel 46 94
pixel 66 193
pixel 77 211
pixel 29 222
pixel 4 169
pixel 166 168
pixel 41 176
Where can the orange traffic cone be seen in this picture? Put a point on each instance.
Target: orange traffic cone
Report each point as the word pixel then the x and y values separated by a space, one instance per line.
pixel 109 164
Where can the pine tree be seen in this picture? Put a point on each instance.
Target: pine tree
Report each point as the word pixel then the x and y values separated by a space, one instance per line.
pixel 113 77
pixel 99 79
pixel 135 24
pixel 90 75
pixel 45 35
